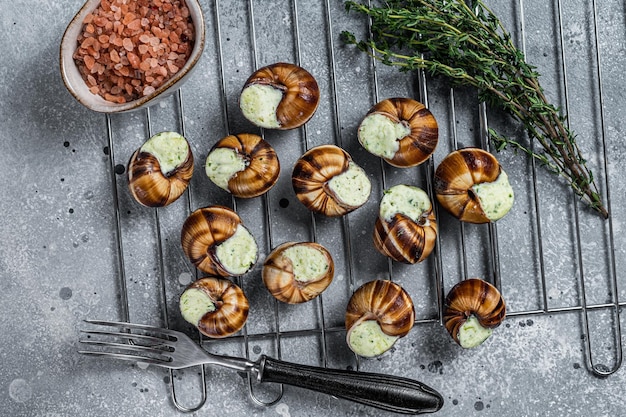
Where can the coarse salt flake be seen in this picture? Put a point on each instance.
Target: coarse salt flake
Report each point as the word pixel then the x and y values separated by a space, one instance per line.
pixel 128 49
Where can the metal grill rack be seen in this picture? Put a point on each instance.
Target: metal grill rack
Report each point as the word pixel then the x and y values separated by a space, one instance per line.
pixel 561 254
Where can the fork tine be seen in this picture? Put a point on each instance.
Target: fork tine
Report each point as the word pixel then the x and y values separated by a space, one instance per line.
pixel 130 336
pixel 129 348
pixel 126 357
pixel 134 326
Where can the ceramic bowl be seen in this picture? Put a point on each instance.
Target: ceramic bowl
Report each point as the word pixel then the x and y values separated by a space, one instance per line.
pixel 78 87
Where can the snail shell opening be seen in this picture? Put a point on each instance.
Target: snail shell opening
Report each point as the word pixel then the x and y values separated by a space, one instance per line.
pixel 296 272
pixel 402 131
pixel 279 96
pixel 216 306
pixel 472 186
pixel 160 170
pixel 389 306
pixel 405 229
pixel 216 242
pixel 475 298
pixel 327 181
pixel 244 165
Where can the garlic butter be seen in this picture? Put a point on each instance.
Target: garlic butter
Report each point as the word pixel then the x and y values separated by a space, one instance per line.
pixel 194 304
pixel 351 187
pixel 380 135
pixel 496 198
pixel 472 333
pixel 222 164
pixel 367 339
pixel 308 263
pixel 411 201
pixel 169 148
pixel 259 102
pixel 238 253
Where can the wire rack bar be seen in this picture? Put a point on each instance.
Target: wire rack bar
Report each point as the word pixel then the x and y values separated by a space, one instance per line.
pixel 203 386
pixel 535 197
pixel 121 264
pixel 596 368
pixel 376 97
pixel 267 215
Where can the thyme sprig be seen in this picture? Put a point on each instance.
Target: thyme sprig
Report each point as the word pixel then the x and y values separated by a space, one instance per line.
pixel 470 46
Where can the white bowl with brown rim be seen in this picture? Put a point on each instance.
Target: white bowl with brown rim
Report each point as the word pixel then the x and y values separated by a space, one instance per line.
pixel 79 88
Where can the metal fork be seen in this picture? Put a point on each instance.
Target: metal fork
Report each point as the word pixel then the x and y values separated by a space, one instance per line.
pixel 175 350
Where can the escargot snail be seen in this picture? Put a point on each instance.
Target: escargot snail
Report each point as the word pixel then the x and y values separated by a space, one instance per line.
pixel 402 131
pixel 405 229
pixel 216 306
pixel 279 96
pixel 244 165
pixel 216 242
pixel 327 181
pixel 160 170
pixel 472 309
pixel 472 186
pixel 378 314
pixel 298 272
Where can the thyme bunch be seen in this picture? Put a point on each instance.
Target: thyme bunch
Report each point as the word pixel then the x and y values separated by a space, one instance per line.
pixel 470 46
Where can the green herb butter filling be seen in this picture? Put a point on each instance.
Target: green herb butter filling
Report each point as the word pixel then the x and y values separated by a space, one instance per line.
pixel 222 164
pixel 472 334
pixel 367 339
pixel 496 198
pixel 169 148
pixel 352 187
pixel 380 135
pixel 259 102
pixel 308 263
pixel 194 304
pixel 411 201
pixel 238 253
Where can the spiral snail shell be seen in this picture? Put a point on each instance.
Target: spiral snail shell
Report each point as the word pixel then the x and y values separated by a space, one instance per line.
pixel 244 165
pixel 472 186
pixel 216 242
pixel 279 96
pixel 296 272
pixel 378 314
pixel 327 181
pixel 402 131
pixel 216 306
pixel 406 229
pixel 472 309
pixel 160 170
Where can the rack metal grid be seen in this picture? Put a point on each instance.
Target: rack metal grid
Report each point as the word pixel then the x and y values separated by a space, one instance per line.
pixel 244 35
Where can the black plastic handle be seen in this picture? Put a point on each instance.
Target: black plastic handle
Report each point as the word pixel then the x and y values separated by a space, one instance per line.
pixel 391 393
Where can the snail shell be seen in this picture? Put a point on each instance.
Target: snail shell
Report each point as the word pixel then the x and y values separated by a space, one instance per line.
pixel 402 131
pixel 160 170
pixel 216 242
pixel 298 272
pixel 279 96
pixel 327 181
pixel 406 228
pixel 457 178
pixel 382 301
pixel 473 297
pixel 216 306
pixel 245 165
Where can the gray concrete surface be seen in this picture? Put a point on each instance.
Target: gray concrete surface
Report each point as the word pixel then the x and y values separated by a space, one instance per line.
pixel 60 263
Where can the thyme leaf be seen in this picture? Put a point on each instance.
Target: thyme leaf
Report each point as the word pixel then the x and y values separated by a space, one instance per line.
pixel 470 46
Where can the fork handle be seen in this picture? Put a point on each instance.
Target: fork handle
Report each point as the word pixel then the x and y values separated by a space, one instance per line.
pixel 391 393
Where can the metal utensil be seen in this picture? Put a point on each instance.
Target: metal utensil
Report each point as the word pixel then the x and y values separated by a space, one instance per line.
pixel 175 350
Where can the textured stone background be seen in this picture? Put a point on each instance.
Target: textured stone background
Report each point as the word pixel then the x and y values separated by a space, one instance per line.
pixel 59 261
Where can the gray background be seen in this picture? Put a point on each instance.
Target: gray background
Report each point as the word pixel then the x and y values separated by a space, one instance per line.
pixel 60 264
